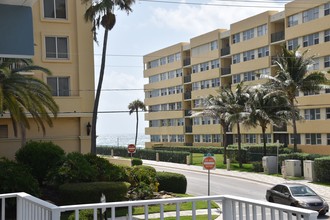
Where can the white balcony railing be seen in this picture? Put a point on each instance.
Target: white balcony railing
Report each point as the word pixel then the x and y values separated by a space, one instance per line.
pixel 233 207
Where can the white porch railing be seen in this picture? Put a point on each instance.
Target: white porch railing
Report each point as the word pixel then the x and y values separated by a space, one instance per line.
pixel 233 207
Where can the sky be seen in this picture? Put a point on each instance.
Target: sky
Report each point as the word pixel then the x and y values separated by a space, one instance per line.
pixel 154 25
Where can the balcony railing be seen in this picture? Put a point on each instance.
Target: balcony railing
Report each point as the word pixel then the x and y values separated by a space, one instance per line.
pixel 187 112
pixel 277 36
pixel 225 71
pixel 186 62
pixel 187 79
pixel 233 207
pixel 188 129
pixel 225 51
pixel 187 95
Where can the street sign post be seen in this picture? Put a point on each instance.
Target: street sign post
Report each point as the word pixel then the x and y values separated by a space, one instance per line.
pixel 209 163
pixel 131 148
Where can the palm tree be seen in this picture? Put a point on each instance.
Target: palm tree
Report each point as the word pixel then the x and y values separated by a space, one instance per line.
pixel 236 112
pixel 293 76
pixel 265 110
pixel 20 94
pixel 215 108
pixel 101 12
pixel 134 107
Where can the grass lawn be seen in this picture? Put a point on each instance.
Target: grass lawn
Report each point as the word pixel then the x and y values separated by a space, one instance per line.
pixel 197 160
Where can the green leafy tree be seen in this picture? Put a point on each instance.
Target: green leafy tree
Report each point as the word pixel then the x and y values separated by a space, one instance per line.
pixel 101 12
pixel 134 107
pixel 265 110
pixel 293 76
pixel 214 107
pixel 21 95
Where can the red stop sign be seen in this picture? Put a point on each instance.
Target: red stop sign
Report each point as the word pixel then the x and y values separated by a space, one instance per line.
pixel 209 163
pixel 131 148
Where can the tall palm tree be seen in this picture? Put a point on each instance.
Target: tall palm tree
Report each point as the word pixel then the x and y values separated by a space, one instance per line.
pixel 293 76
pixel 236 111
pixel 101 12
pixel 215 108
pixel 265 110
pixel 134 107
pixel 20 94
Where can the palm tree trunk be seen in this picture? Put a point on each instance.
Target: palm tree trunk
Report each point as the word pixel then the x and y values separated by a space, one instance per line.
pixel 265 139
pixel 98 93
pixel 137 125
pixel 294 126
pixel 239 146
pixel 23 134
pixel 224 128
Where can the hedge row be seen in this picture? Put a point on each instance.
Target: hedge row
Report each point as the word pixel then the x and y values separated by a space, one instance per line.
pixel 191 149
pixel 322 169
pixel 148 154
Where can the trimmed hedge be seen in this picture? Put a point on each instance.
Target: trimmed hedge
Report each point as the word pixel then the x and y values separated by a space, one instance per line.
pixel 81 193
pixel 322 169
pixel 40 157
pixel 136 162
pixel 148 154
pixel 171 182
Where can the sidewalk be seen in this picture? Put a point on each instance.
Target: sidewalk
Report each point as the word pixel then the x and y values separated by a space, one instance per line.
pixel 324 191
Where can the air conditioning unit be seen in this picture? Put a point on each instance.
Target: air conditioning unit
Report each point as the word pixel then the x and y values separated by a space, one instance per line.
pixel 309 173
pixel 293 168
pixel 269 163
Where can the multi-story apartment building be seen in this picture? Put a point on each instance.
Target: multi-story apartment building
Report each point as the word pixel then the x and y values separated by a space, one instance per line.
pixel 180 76
pixel 54 34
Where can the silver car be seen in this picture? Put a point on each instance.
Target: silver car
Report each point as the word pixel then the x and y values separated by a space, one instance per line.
pixel 298 195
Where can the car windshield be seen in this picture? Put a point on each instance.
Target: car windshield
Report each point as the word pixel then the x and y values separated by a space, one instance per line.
pixel 302 191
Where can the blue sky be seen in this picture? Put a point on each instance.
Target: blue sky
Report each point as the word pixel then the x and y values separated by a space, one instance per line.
pixel 150 27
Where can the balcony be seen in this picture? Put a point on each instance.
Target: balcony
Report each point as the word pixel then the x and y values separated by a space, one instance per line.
pixel 187 79
pixel 232 207
pixel 225 51
pixel 186 61
pixel 187 112
pixel 278 36
pixel 188 129
pixel 225 71
pixel 187 95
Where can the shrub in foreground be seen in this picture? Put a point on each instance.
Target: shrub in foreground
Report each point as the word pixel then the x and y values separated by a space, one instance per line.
pixel 80 193
pixel 322 169
pixel 40 157
pixel 171 182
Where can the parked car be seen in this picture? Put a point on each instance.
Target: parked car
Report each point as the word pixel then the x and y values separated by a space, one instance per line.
pixel 298 195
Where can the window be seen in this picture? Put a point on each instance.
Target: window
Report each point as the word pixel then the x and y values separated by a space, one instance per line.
pixel 177 56
pixel 293 20
pixel 178 72
pixel 57 47
pixel 163 92
pixel 214 45
pixel 170 58
pixel 153 64
pixel 195 68
pixel 162 61
pixel 249 76
pixel 236 58
pixel 312 114
pixel 155 138
pixel 315 65
pixel 248 55
pixel 55 9
pixel 292 139
pixel 327 113
pixel 59 86
pixel 263 52
pixel 180 138
pixel 207 138
pixel 3 131
pixel 215 82
pixel 311 93
pixel 326 35
pixel 215 64
pixel 248 34
pixel 153 79
pixel 327 9
pixel 313 139
pixel 237 78
pixel 236 38
pixel 311 39
pixel 328 139
pixel 268 138
pixel 250 138
pixel 164 138
pixel 196 121
pixel 310 14
pixel 197 138
pixel 326 61
pixel 292 44
pixel 262 30
pixel 204 66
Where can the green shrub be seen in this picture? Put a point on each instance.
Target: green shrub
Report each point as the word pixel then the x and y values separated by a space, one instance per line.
pixel 322 169
pixel 136 162
pixel 257 166
pixel 75 168
pixel 80 193
pixel 143 182
pixel 16 177
pixel 171 182
pixel 41 157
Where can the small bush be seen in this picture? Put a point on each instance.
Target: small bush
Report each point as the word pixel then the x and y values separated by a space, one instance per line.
pixel 322 169
pixel 171 182
pixel 257 166
pixel 80 193
pixel 16 177
pixel 41 157
pixel 136 161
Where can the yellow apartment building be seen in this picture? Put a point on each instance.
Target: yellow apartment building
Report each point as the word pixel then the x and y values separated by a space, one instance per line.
pixel 180 76
pixel 60 40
